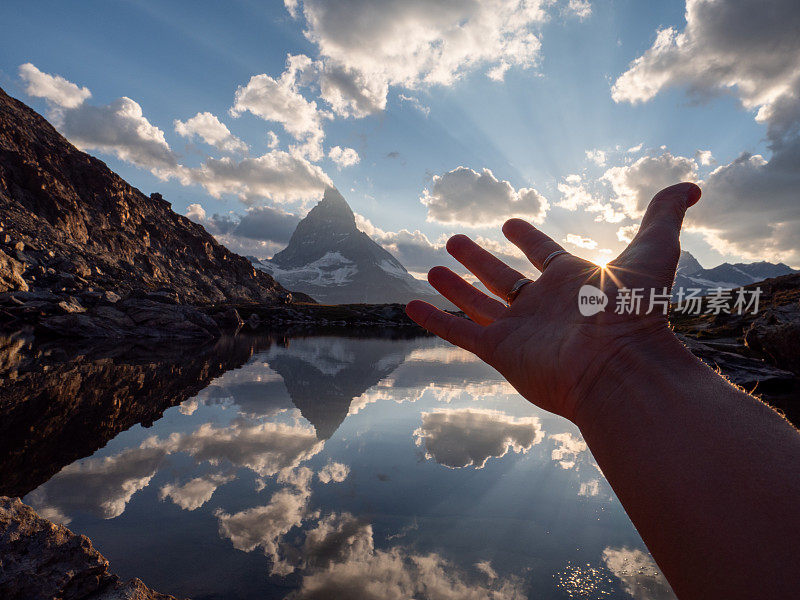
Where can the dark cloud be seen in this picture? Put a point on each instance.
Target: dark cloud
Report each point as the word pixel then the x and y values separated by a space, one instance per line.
pixel 266 224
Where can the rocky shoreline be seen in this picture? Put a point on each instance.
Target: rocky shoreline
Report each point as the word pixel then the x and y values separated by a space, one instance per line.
pixel 40 560
pixel 160 315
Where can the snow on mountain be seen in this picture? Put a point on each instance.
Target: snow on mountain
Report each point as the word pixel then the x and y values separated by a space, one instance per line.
pixel 332 269
pixel 691 274
pixel 334 262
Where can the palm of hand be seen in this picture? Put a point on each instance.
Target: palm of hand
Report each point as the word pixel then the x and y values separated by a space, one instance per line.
pixel 542 344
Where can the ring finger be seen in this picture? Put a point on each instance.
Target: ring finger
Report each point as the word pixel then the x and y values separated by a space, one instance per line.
pixel 496 275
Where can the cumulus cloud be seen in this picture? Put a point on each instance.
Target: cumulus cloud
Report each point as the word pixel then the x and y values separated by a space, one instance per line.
pixel 413 249
pixel 261 223
pixel 478 199
pixel 333 472
pixel 469 437
pixel 704 157
pixel 195 492
pixel 264 448
pixel 626 233
pixel 343 157
pixel 439 39
pixel 264 526
pixel 260 231
pixel 415 102
pixel 638 573
pixel 101 486
pixel 580 241
pixel 281 101
pixel 598 157
pixel 196 213
pixel 575 194
pixel 749 206
pixel 419 254
pixel 580 8
pixel 734 44
pixel 119 128
pixel 212 131
pixel 350 92
pixel 635 185
pixel 568 450
pixel 276 175
pixel 367 47
pixel 53 88
pixel 342 562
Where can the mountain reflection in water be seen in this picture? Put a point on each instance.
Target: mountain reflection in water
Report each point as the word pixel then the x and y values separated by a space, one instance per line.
pixel 315 467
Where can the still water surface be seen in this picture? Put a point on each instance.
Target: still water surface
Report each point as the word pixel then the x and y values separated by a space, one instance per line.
pixel 328 467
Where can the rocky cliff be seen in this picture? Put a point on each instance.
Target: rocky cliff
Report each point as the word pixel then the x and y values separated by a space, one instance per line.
pixel 69 225
pixel 40 560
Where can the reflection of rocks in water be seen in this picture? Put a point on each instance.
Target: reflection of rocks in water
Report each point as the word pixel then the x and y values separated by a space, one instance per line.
pixel 323 375
pixel 42 560
pixel 60 404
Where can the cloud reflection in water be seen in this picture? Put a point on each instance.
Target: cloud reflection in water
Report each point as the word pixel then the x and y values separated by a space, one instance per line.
pixel 469 437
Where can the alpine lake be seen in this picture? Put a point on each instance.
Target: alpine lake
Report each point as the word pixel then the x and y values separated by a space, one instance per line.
pixel 315 467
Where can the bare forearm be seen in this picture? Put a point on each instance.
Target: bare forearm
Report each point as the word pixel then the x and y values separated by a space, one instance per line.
pixel 703 470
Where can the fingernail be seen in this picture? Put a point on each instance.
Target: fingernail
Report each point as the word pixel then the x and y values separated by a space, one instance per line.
pixel 692 191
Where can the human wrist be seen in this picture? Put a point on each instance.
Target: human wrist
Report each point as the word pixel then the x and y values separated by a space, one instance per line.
pixel 633 371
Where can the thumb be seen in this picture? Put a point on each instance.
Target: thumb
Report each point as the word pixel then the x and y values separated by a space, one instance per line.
pixel 657 243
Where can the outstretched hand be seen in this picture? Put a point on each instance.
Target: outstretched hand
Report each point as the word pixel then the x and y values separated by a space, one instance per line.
pixel 542 344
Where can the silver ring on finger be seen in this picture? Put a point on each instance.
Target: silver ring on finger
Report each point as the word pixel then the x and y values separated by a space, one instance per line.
pixel 550 258
pixel 516 289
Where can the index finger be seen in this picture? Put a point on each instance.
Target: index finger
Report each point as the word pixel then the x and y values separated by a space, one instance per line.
pixel 456 330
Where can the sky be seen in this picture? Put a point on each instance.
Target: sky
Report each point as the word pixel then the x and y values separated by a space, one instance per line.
pixel 433 117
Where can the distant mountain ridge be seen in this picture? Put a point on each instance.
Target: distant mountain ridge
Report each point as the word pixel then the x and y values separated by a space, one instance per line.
pixel 691 274
pixel 334 262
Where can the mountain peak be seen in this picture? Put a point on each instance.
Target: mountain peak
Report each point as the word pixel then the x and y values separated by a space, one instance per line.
pixel 330 259
pixel 329 222
pixel 333 199
pixel 688 264
pixel 335 209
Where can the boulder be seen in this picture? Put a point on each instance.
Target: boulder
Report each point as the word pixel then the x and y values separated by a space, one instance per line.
pixel 253 322
pixel 134 317
pixel 159 320
pixel 776 335
pixel 42 560
pixel 744 371
pixel 11 271
pixel 165 296
pixel 229 321
pixel 71 305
